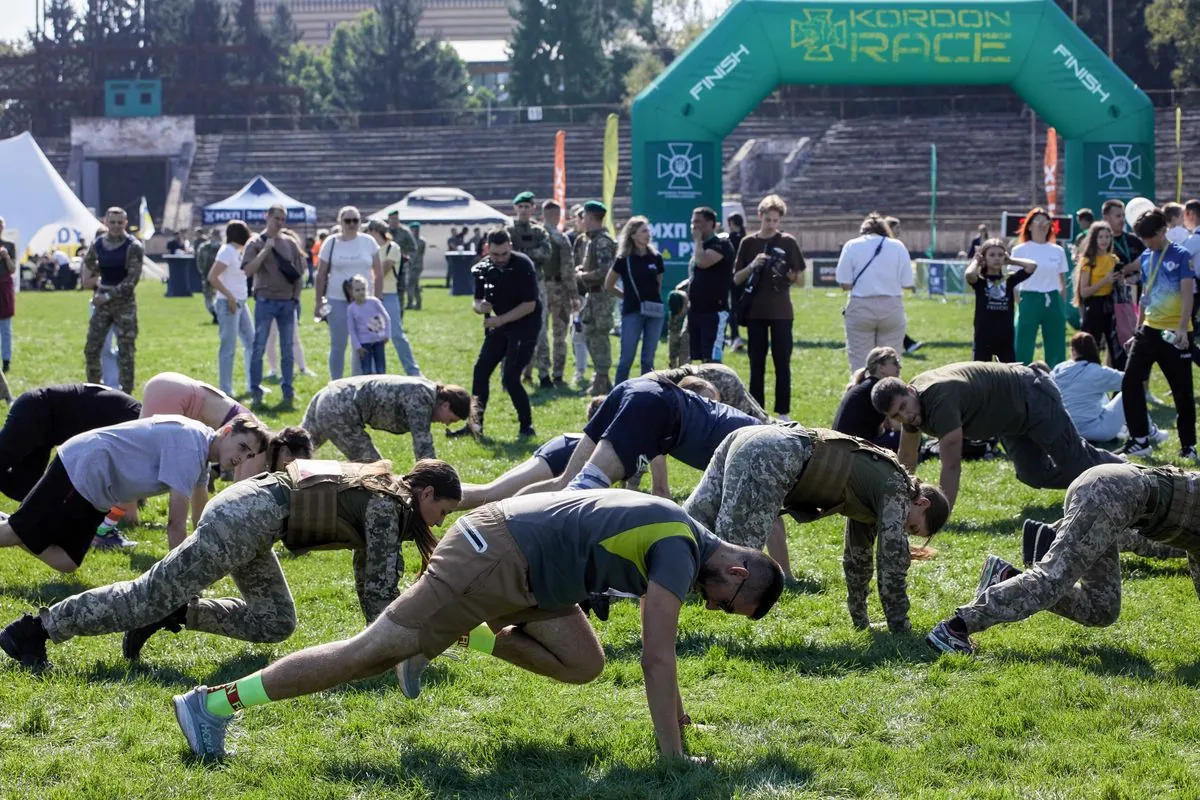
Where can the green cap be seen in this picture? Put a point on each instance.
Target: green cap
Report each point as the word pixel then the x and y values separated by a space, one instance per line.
pixel 414 224
pixel 596 207
pixel 523 197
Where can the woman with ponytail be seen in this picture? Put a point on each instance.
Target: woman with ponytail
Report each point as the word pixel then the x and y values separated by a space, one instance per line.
pixel 313 505
pixel 855 414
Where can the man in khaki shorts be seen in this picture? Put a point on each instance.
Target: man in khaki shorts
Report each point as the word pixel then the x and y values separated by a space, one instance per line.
pixel 507 580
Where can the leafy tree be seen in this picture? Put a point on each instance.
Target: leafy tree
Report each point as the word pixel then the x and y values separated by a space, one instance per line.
pixel 558 54
pixel 1174 39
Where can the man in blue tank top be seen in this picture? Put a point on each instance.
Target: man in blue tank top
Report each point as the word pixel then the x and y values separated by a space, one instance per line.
pixel 112 268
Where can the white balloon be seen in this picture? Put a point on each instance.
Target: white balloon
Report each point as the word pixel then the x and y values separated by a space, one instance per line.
pixel 1136 207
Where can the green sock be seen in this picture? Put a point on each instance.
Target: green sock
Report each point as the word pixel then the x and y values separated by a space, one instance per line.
pixel 481 639
pixel 224 700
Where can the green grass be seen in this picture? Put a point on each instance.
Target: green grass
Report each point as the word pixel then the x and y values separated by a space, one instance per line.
pixel 798 705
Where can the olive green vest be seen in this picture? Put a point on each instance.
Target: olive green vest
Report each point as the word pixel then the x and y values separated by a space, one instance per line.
pixel 1173 509
pixel 313 522
pixel 822 488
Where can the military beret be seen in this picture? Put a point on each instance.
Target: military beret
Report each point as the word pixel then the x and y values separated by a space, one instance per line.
pixel 414 224
pixel 595 206
pixel 523 197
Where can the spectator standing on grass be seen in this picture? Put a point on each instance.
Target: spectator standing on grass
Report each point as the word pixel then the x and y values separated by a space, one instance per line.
pixel 1084 218
pixel 1127 247
pixel 911 345
pixel 875 269
pixel 206 255
pixel 735 227
pixel 367 324
pixel 342 257
pixel 1098 283
pixel 416 266
pixel 1162 337
pixel 981 236
pixel 8 301
pixel 710 273
pixel 233 312
pixel 1042 306
pixel 640 268
pixel 391 256
pixel 768 264
pixel 994 290
pixel 276 263
pixel 113 266
pixel 1176 232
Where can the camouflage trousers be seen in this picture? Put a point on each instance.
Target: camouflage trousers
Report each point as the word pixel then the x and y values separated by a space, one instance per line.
pixel 120 315
pixel 332 416
pixel 1080 576
pixel 743 489
pixel 678 347
pixel 209 292
pixel 725 380
pixel 412 285
pixel 597 328
pixel 552 341
pixel 235 537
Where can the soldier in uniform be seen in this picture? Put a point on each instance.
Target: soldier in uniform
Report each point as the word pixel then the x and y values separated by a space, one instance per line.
pixel 112 268
pixel 578 342
pixel 1077 569
pixel 812 473
pixel 205 248
pixel 599 254
pixel 415 268
pixel 531 239
pixel 561 295
pixel 342 410
pixel 678 350
pixel 731 390
pixel 311 505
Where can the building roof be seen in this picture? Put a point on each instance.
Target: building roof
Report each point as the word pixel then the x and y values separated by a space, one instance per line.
pixel 481 51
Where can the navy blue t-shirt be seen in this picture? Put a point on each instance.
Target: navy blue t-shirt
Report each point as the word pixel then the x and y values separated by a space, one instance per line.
pixel 647 270
pixel 703 425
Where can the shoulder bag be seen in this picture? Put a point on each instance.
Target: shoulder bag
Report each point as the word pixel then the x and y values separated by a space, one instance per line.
pixel 870 261
pixel 648 308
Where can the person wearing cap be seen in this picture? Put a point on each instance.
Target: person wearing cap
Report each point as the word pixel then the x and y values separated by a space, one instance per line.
pixel 599 254
pixel 530 238
pixel 561 298
pixel 578 342
pixel 415 267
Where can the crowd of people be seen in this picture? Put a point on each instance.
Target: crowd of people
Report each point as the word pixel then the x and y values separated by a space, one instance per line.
pixel 553 538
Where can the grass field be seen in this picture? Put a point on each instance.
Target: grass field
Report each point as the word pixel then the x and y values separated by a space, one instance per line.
pixel 797 705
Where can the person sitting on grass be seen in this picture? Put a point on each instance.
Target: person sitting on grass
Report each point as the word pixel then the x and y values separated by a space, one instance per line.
pixel 372 513
pixel 1076 570
pixel 506 580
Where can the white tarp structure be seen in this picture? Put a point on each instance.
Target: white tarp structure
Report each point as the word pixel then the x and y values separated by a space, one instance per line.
pixel 37 205
pixel 250 204
pixel 438 209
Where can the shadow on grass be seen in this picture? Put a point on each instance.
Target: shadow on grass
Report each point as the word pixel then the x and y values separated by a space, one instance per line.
pixel 1043 512
pixel 1098 659
pixel 1134 568
pixel 121 671
pixel 536 770
pixel 46 593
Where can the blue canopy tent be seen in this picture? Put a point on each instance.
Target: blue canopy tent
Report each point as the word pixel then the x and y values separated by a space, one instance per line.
pixel 250 204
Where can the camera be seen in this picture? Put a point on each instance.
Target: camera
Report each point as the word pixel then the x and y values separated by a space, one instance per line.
pixel 777 261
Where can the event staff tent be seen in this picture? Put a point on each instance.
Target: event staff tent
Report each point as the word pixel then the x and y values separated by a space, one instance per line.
pixel 438 209
pixel 39 209
pixel 250 204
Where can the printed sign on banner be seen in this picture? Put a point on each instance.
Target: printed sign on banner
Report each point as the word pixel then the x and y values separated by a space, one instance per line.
pixel 684 175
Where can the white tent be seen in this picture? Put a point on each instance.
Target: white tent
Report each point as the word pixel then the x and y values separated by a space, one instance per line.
pixel 250 204
pixel 438 209
pixel 37 205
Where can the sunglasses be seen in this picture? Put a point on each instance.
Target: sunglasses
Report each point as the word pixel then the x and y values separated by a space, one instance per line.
pixel 727 606
pixel 350 221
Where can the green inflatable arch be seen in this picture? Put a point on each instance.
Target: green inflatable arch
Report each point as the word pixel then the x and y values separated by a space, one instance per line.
pixel 679 120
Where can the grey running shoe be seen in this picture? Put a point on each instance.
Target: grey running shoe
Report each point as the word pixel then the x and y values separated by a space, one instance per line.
pixel 410 672
pixel 112 539
pixel 995 570
pixel 944 640
pixel 205 733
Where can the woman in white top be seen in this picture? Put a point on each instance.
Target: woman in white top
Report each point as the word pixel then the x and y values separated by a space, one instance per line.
pixel 343 256
pixel 393 288
pixel 875 269
pixel 233 315
pixel 1042 304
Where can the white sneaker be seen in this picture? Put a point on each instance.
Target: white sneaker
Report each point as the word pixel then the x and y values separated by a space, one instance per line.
pixel 784 418
pixel 1158 436
pixel 1190 454
pixel 409 674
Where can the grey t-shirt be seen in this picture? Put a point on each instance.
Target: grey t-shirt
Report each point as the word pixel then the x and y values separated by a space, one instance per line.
pixel 122 463
pixel 585 542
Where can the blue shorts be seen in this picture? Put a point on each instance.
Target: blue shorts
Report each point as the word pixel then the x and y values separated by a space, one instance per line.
pixel 640 421
pixel 558 451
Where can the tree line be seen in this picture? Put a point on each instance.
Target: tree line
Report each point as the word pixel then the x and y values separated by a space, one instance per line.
pixel 219 58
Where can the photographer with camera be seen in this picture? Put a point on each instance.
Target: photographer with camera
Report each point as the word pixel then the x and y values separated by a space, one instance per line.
pixel 506 293
pixel 275 262
pixel 768 263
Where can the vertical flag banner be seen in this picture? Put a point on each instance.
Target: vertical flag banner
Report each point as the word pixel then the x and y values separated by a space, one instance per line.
pixel 560 175
pixel 1050 169
pixel 1178 154
pixel 932 201
pixel 145 222
pixel 610 168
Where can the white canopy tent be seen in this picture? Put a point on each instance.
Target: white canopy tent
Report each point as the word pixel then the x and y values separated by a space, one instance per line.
pixel 250 204
pixel 438 209
pixel 40 211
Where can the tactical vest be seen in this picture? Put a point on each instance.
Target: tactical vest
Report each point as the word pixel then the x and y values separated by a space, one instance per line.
pixel 524 238
pixel 112 262
pixel 1173 512
pixel 821 490
pixel 313 523
pixel 551 268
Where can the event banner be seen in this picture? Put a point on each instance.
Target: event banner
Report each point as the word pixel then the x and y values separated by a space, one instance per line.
pixel 683 175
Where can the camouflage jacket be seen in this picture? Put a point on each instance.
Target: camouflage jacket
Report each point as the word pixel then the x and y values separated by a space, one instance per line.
pixel 598 257
pixel 393 403
pixel 531 239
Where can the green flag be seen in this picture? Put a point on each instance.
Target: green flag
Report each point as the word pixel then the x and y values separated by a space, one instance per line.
pixel 932 200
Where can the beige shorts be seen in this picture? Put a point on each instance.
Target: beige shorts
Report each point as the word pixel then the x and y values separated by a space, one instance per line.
pixel 477 574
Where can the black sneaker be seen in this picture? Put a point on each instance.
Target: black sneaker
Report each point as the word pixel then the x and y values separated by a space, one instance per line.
pixel 545 382
pixel 25 641
pixel 465 430
pixel 995 570
pixel 527 432
pixel 134 640
pixel 597 604
pixel 1036 538
pixel 945 639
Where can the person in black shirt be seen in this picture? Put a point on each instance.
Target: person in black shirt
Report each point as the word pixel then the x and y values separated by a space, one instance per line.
pixel 640 268
pixel 710 273
pixel 506 294
pixel 855 415
pixel 994 302
pixel 735 228
pixel 44 418
pixel 978 241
